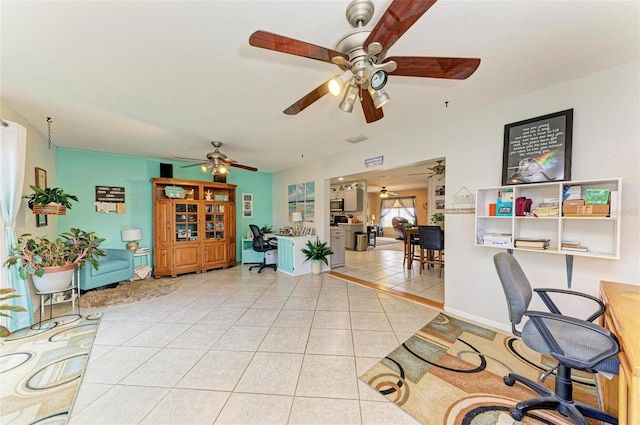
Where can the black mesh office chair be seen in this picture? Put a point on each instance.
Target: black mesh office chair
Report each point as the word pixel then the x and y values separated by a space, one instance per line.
pixel 574 343
pixel 431 240
pixel 269 250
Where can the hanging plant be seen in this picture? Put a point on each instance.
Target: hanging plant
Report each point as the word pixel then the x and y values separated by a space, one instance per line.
pixel 50 200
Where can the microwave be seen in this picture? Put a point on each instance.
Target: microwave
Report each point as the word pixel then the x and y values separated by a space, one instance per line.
pixel 336 204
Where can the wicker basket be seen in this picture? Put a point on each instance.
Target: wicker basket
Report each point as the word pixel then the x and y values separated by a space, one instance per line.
pixel 50 209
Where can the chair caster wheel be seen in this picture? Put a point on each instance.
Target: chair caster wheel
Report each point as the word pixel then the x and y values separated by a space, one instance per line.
pixel 515 414
pixel 509 381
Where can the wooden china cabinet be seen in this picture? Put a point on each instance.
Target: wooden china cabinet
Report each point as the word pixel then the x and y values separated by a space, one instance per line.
pixel 194 226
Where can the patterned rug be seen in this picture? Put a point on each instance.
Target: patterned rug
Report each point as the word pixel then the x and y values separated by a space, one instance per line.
pixel 41 369
pixel 450 372
pixel 128 292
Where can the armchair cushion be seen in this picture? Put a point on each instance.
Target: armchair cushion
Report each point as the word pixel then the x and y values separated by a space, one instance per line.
pixel 116 266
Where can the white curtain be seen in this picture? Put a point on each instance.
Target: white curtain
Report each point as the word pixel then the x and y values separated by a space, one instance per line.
pixel 13 148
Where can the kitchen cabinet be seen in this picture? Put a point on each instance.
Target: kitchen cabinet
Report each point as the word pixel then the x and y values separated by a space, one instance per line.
pixel 194 226
pixel 353 200
pixel 337 244
pixel 350 234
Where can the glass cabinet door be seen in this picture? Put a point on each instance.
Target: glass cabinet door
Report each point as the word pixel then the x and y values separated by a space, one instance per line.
pixel 214 221
pixel 186 219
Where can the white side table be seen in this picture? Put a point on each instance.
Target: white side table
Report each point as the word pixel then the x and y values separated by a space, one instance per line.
pixel 144 254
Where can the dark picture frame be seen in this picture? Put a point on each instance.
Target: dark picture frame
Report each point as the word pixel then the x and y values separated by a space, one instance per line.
pixel 41 182
pixel 538 150
pixel 41 220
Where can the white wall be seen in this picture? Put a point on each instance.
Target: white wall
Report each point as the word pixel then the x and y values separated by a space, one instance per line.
pixel 606 144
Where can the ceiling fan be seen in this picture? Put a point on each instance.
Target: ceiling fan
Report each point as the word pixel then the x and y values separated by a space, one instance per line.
pixel 437 171
pixel 360 54
pixel 384 193
pixel 217 163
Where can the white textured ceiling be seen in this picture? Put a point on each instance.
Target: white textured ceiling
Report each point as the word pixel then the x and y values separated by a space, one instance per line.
pixel 163 78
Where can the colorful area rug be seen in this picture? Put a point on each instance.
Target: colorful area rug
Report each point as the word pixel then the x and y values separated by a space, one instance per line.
pixel 41 369
pixel 128 292
pixel 450 372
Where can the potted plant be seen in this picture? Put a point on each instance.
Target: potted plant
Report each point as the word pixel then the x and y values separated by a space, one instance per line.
pixel 266 229
pixel 51 263
pixel 6 294
pixel 317 251
pixel 50 200
pixel 437 219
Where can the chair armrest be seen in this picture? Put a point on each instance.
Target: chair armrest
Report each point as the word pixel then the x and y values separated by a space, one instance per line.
pixel 118 254
pixel 538 318
pixel 544 295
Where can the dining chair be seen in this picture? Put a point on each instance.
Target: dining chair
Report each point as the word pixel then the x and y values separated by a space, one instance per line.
pixel 431 241
pixel 410 236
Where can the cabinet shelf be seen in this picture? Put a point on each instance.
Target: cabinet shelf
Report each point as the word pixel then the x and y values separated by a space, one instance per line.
pixel 601 234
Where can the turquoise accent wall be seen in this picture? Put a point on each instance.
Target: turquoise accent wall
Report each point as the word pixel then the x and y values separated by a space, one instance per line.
pixel 79 172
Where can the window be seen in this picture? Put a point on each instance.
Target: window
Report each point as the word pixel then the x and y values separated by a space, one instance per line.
pixel 400 207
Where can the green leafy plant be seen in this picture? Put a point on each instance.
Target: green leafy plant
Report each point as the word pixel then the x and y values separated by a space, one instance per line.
pixel 317 251
pixel 34 253
pixel 50 195
pixel 437 218
pixel 266 229
pixel 6 294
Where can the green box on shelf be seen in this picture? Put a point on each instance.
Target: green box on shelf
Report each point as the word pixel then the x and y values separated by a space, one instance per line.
pixel 596 197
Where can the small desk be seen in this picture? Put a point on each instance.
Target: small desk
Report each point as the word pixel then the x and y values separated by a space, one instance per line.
pixel 622 302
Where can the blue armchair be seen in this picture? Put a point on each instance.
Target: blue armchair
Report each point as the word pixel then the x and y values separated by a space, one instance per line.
pixel 115 267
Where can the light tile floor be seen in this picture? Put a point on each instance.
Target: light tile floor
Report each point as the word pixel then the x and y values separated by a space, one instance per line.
pixel 237 347
pixel 383 265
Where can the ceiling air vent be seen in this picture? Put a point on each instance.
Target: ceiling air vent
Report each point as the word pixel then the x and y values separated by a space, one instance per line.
pixel 357 139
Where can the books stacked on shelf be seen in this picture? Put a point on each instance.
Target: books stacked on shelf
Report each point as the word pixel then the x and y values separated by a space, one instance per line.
pixel 573 246
pixel 496 239
pixel 549 207
pixel 529 243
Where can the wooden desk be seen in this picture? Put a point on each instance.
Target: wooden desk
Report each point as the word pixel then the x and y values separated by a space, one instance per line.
pixel 622 317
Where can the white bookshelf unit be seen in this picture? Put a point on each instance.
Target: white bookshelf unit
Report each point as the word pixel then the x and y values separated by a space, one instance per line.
pixel 599 233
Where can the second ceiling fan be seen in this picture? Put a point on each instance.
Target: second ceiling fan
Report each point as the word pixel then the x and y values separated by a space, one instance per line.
pixel 360 54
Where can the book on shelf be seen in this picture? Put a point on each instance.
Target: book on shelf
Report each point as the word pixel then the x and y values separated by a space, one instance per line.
pixel 577 248
pixel 570 244
pixel 532 243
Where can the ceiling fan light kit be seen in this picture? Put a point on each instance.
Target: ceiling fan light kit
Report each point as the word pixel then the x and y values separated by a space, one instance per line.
pixel 361 55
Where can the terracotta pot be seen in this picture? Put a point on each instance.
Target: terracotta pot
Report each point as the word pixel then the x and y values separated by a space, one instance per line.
pixel 54 279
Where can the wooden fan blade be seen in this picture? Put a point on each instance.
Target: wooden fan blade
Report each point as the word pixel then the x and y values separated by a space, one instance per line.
pixel 280 43
pixel 371 113
pixel 431 67
pixel 194 165
pixel 308 99
pixel 419 174
pixel 244 167
pixel 397 19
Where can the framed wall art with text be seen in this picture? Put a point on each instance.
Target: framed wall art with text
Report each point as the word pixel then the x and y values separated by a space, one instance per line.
pixel 538 149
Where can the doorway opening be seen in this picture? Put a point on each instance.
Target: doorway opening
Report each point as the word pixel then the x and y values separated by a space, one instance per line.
pixel 382 262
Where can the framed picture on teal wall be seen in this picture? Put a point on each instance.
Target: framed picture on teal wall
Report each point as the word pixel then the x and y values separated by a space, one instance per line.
pixel 247 205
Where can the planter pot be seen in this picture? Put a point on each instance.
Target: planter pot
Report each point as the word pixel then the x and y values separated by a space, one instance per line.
pixel 50 209
pixel 54 279
pixel 316 267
